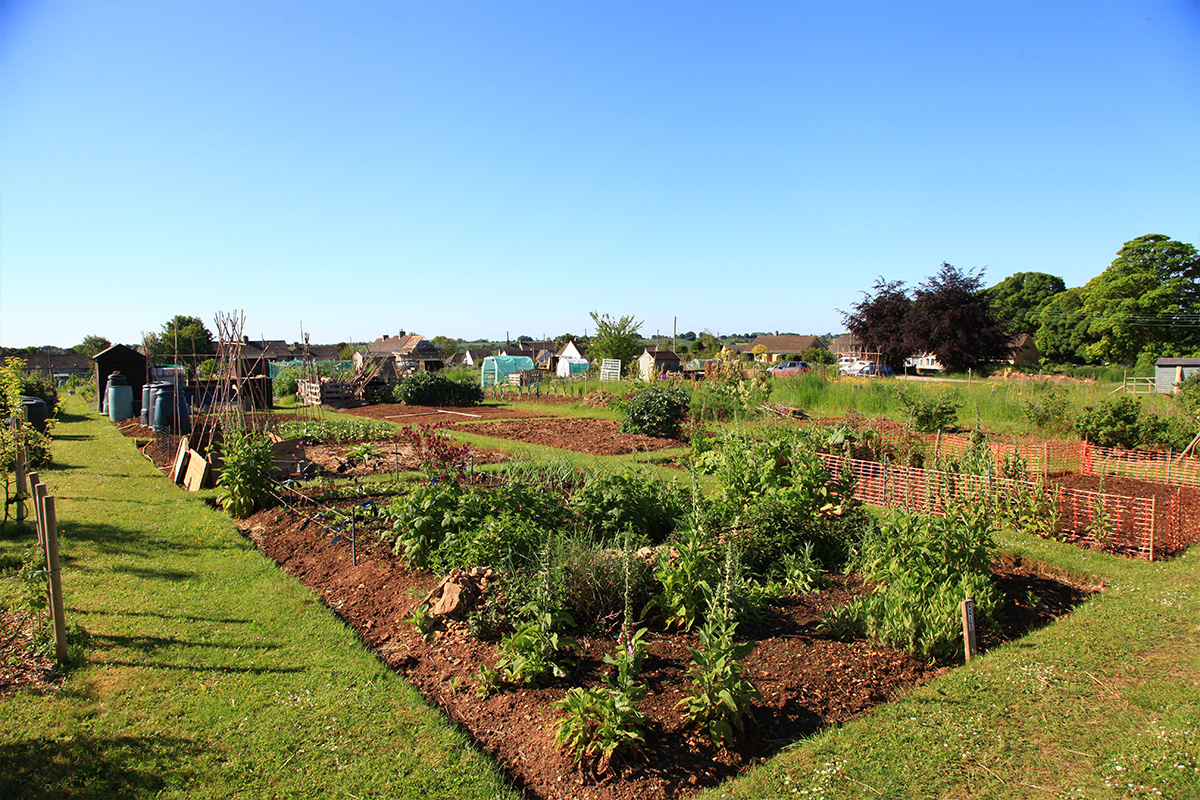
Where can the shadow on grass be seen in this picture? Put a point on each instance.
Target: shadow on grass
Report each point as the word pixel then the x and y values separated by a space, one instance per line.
pixel 159 574
pixel 67 416
pixel 85 766
pixel 73 437
pixel 151 644
pixel 172 617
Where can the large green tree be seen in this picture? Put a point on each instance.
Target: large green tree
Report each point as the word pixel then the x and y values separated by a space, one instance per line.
pixel 1062 332
pixel 91 345
pixel 615 338
pixel 1018 299
pixel 183 340
pixel 1147 301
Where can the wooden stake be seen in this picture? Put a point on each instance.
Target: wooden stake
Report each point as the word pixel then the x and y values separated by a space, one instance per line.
pixel 968 618
pixel 39 494
pixel 56 598
pixel 19 469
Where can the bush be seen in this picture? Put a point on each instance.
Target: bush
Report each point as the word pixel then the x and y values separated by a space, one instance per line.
pixel 246 472
pixel 923 567
pixel 929 414
pixel 609 504
pixel 433 389
pixel 1045 406
pixel 656 411
pixel 1119 423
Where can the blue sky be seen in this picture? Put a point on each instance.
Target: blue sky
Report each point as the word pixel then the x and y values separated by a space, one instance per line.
pixel 472 169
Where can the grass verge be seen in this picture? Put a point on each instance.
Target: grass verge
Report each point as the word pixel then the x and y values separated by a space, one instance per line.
pixel 210 671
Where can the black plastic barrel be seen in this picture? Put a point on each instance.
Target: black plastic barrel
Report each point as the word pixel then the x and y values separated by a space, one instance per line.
pixel 35 412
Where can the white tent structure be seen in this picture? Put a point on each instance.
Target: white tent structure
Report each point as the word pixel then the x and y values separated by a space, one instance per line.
pixel 568 366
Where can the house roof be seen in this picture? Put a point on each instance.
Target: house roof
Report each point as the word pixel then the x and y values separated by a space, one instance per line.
pixel 1177 362
pixel 846 343
pixel 517 351
pixel 579 348
pixel 661 355
pixel 401 345
pixel 266 348
pixel 118 351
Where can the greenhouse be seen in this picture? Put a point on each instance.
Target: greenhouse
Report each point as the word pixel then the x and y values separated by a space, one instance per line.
pixel 496 369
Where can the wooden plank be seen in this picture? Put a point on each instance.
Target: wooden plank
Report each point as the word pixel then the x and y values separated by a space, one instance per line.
pixel 197 472
pixel 181 459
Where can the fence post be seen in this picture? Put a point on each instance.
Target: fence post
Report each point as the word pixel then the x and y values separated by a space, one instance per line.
pixel 19 470
pixel 968 621
pixel 39 494
pixel 1153 519
pixel 50 523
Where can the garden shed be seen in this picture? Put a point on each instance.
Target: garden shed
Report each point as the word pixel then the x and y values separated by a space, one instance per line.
pixel 128 362
pixel 1169 372
pixel 496 369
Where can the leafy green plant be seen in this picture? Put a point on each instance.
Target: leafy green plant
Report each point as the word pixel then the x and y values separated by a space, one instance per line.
pixel 601 722
pixel 687 573
pixel 246 472
pixel 362 453
pixel 721 695
pixel 422 620
pixel 610 503
pixel 536 650
pixel 434 389
pixel 336 430
pixel 1118 422
pixel 656 411
pixel 421 520
pixel 922 568
pixel 1044 405
pixel 802 572
pixel 930 413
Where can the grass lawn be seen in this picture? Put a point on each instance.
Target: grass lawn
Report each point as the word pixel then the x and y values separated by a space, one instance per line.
pixel 210 673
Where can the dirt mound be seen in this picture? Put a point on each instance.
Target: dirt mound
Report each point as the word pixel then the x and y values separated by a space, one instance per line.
pixel 599 399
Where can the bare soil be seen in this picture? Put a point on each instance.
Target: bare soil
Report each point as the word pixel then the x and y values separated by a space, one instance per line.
pixel 580 435
pixel 807 680
pixel 424 415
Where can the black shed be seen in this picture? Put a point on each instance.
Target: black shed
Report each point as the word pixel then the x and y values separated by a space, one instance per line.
pixel 128 362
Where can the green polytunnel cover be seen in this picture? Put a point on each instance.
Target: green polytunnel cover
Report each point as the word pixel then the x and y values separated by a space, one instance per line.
pixel 496 369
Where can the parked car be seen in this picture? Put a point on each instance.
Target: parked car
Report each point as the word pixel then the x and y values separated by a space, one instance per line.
pixel 850 366
pixel 786 368
pixel 882 370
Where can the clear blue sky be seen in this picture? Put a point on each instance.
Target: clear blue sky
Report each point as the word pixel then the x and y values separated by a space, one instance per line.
pixel 467 169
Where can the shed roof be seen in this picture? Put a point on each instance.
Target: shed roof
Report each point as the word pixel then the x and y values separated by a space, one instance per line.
pixel 1177 362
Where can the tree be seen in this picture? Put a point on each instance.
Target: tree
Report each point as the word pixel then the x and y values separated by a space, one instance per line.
pixel 446 345
pixel 1017 299
pixel 1147 301
pixel 91 345
pixel 878 321
pixel 561 341
pixel 615 338
pixel 951 319
pixel 1062 333
pixel 690 336
pixel 184 340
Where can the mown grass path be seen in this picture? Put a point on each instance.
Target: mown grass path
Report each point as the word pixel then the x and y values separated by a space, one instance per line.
pixel 210 673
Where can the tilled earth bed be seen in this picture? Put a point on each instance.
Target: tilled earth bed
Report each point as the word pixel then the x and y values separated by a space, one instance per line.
pixel 598 437
pixel 807 680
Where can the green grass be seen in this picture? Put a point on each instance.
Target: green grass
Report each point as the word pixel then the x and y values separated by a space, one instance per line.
pixel 211 672
pixel 993 404
pixel 1102 704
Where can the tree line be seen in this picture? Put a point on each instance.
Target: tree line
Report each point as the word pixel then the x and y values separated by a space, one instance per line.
pixel 1144 306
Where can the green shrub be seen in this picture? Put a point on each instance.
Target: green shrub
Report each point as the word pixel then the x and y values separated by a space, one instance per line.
pixel 923 567
pixel 656 411
pixel 930 413
pixel 246 473
pixel 1044 405
pixel 1119 422
pixel 434 389
pixel 609 504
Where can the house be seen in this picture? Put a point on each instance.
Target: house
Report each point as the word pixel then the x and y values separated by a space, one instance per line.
pixel 1024 351
pixel 772 348
pixel 572 349
pixel 847 345
pixel 412 352
pixel 518 352
pixel 654 362
pixel 1170 372
pixel 474 356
